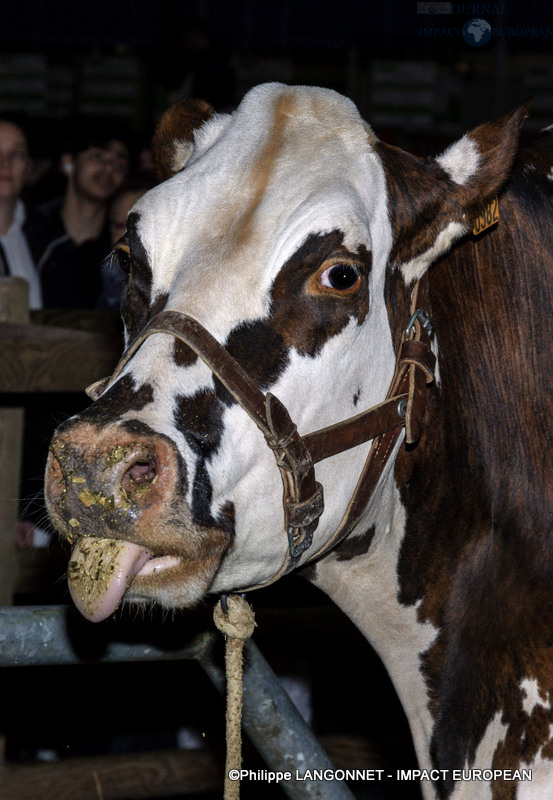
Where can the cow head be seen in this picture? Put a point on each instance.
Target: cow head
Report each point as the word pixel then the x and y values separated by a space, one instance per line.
pixel 276 231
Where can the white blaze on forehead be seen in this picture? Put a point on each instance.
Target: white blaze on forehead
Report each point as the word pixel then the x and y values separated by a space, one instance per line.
pixel 290 162
pixel 461 160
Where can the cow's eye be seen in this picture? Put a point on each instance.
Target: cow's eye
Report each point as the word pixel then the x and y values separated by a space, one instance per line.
pixel 123 260
pixel 342 277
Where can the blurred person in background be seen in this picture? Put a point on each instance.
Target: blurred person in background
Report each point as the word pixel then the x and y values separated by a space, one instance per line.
pixel 16 259
pixel 73 239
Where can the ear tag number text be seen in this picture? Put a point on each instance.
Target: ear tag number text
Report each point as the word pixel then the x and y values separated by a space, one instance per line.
pixel 488 217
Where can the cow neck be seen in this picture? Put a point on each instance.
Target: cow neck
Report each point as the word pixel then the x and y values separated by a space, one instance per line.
pixel 296 455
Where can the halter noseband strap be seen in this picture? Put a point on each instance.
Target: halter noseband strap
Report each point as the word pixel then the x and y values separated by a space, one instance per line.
pixel 296 455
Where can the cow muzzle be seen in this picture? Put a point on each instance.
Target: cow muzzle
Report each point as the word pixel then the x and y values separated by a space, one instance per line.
pixel 110 492
pixel 106 485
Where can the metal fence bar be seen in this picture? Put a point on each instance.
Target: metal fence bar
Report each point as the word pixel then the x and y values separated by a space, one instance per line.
pixel 290 742
pixel 38 635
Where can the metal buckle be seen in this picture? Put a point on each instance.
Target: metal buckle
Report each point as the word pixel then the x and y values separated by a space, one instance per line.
pixel 297 549
pixel 424 321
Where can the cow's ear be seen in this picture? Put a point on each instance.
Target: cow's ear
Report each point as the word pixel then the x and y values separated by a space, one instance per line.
pixel 434 202
pixel 173 139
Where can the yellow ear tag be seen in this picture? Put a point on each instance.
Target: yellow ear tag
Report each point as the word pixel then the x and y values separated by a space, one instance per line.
pixel 488 217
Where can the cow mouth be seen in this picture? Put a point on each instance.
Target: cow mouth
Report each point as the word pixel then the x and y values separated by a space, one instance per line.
pixel 100 572
pixel 121 504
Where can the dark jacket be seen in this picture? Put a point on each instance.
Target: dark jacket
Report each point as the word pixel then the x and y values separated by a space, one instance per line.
pixel 70 274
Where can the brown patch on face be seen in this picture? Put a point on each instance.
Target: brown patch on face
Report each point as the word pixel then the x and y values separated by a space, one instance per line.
pixel 136 295
pixel 124 396
pixel 137 305
pixel 306 321
pixel 299 319
pixel 183 356
pixel 199 419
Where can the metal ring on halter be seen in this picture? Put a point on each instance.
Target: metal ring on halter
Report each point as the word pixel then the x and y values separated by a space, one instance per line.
pixel 402 408
pixel 224 601
pixel 424 321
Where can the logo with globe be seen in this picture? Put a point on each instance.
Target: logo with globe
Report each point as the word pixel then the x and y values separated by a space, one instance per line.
pixel 477 32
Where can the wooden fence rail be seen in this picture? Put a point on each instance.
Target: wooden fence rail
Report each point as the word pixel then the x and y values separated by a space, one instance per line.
pixel 57 356
pixel 41 352
pixel 14 309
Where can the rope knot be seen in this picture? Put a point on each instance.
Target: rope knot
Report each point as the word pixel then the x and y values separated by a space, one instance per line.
pixel 234 617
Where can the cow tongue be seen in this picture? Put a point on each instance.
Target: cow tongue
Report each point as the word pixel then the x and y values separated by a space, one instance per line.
pixel 99 573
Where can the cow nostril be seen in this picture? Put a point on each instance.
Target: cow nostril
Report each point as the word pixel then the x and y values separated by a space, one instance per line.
pixel 55 478
pixel 141 472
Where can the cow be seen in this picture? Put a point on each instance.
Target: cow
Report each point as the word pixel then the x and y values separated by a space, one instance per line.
pixel 338 362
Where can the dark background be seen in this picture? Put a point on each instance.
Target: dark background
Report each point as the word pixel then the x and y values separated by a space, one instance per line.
pixel 66 58
pixel 61 60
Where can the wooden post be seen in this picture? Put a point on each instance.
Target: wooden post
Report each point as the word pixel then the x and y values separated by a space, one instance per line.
pixel 14 307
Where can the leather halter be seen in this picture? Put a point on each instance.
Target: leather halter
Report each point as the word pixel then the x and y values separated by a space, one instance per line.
pixel 296 455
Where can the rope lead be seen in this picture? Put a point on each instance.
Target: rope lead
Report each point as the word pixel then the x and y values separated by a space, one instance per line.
pixel 234 617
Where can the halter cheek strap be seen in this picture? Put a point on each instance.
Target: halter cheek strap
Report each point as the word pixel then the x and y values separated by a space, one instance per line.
pixel 295 455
